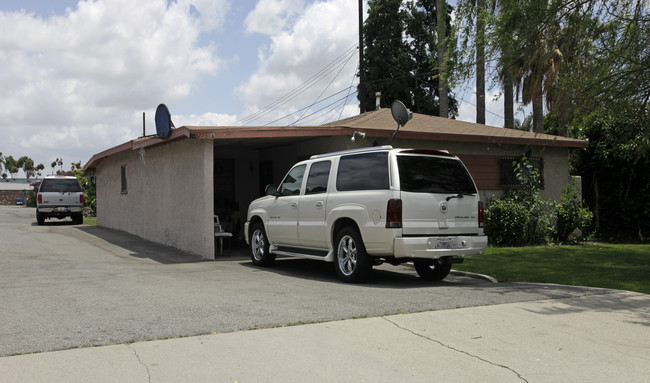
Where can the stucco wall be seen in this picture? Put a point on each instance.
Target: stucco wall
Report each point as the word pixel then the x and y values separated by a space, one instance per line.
pixel 169 198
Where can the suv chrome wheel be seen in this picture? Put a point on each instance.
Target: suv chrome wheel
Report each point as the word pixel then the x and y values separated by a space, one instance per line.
pixel 347 255
pixel 352 262
pixel 260 254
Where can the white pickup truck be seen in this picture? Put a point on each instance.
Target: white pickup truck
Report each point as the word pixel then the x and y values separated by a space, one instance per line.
pixel 60 197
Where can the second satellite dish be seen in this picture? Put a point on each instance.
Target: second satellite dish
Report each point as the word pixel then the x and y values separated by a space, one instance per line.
pixel 401 115
pixel 164 122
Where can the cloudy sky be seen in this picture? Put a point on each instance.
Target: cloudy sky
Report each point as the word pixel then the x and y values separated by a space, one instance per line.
pixel 76 76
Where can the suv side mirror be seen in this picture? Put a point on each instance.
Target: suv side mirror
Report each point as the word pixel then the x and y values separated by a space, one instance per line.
pixel 271 189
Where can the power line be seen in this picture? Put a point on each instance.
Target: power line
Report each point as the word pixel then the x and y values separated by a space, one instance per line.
pixel 329 68
pixel 324 90
pixel 307 107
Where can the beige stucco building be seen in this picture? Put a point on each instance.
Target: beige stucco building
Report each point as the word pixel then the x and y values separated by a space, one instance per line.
pixel 168 191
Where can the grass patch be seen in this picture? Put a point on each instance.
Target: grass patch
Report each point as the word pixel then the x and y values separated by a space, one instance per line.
pixel 90 221
pixel 623 267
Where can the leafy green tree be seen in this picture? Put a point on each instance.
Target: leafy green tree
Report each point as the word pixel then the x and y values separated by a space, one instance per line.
pixel 11 165
pixel 55 163
pixel 400 55
pixel 90 190
pixel 614 169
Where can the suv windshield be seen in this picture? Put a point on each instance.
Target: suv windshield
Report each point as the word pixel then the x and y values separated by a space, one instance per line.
pixel 60 185
pixel 424 174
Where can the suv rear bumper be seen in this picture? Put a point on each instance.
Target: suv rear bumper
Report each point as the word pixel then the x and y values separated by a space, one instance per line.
pixel 425 247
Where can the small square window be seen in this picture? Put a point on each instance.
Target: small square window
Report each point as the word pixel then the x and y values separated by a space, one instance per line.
pixel 507 171
pixel 124 186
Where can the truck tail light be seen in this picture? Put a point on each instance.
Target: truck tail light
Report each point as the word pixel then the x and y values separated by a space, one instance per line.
pixel 81 198
pixel 481 216
pixel 394 214
pixel 40 198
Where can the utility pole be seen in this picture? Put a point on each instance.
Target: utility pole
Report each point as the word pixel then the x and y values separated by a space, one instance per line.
pixel 362 76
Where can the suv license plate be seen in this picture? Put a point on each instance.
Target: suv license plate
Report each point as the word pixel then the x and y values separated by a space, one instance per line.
pixel 61 209
pixel 440 243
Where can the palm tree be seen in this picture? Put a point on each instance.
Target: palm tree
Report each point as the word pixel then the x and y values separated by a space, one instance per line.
pixel 480 61
pixel 441 11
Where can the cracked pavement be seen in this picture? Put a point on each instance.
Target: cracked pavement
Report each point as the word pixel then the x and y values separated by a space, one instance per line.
pixel 77 287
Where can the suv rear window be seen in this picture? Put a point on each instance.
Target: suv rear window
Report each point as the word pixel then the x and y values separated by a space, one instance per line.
pixel 61 185
pixel 425 174
pixel 367 171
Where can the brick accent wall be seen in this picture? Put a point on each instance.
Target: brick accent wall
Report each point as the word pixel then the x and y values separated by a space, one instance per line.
pixel 8 197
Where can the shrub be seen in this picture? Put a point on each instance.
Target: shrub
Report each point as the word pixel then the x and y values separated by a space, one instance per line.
pixel 31 199
pixel 573 222
pixel 507 223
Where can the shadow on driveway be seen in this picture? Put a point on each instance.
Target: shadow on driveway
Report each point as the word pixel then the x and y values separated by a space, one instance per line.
pixel 141 248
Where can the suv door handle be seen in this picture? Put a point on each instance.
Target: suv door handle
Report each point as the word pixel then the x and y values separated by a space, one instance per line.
pixel 294 204
pixel 319 204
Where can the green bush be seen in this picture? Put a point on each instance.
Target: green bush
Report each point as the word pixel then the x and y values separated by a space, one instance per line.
pixel 573 222
pixel 506 223
pixel 522 217
pixel 31 199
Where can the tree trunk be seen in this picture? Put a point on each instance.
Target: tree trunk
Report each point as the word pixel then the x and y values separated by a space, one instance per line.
pixel 441 11
pixel 538 113
pixel 508 89
pixel 480 62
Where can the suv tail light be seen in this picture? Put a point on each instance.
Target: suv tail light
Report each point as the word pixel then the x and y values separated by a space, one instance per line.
pixel 81 198
pixel 40 198
pixel 481 217
pixel 394 214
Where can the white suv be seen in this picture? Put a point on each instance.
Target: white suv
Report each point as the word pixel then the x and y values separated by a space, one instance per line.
pixel 360 208
pixel 60 197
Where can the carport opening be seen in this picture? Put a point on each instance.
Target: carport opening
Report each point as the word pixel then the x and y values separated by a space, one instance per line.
pixel 243 168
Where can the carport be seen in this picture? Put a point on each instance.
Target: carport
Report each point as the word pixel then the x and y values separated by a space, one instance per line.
pixel 168 190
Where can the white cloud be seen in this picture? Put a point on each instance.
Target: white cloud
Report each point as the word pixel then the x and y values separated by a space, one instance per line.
pixel 75 82
pixel 273 16
pixel 299 50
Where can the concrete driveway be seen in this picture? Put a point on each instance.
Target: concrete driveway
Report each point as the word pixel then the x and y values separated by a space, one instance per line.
pixel 64 286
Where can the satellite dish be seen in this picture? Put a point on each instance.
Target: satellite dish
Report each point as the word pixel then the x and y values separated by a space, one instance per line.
pixel 401 115
pixel 164 122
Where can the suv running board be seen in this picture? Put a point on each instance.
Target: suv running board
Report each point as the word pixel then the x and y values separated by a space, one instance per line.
pixel 321 255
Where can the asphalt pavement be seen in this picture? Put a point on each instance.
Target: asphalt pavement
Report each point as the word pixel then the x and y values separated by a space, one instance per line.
pixel 87 304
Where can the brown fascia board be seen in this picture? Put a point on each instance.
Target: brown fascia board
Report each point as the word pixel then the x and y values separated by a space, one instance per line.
pixel 142 142
pixel 228 132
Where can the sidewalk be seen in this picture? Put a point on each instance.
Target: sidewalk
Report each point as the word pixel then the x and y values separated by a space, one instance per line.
pixel 592 338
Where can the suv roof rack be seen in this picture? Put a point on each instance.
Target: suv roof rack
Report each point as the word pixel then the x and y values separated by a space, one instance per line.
pixel 352 151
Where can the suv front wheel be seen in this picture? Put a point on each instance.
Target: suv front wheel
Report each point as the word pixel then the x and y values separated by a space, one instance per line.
pixel 352 262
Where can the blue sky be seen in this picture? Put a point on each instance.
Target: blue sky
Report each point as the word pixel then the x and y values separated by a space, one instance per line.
pixel 75 76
